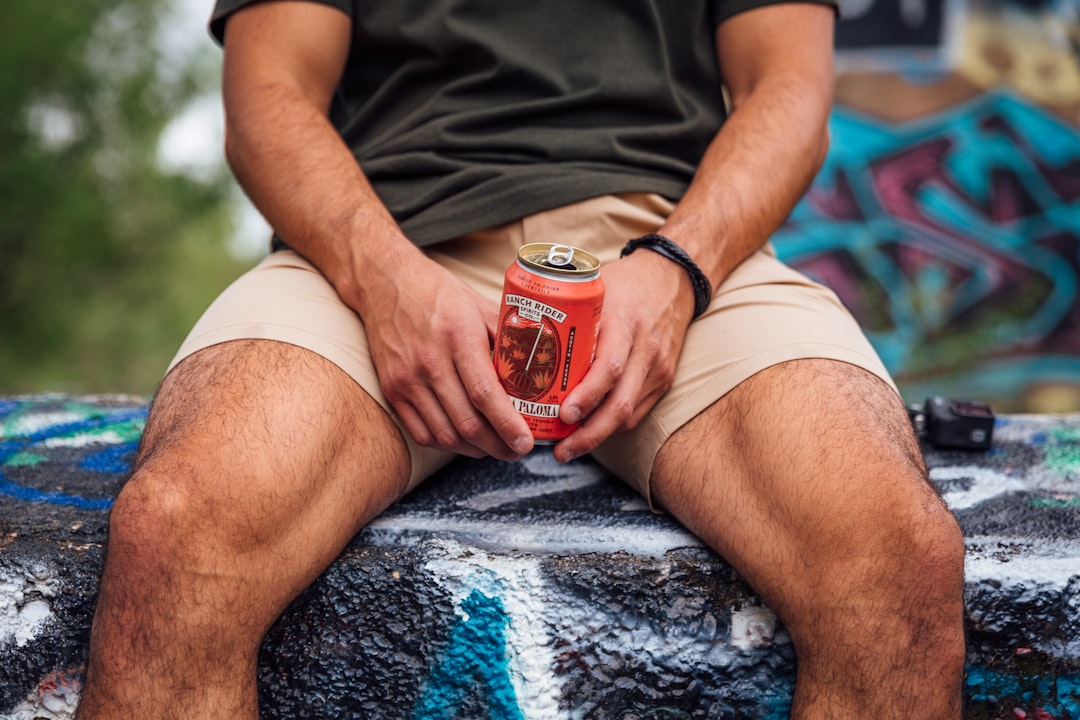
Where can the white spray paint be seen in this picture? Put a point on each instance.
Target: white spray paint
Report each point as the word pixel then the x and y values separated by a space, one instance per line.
pixel 31 423
pixel 496 498
pixel 544 464
pixel 24 603
pixel 986 484
pixel 540 613
pixel 531 536
pixel 752 626
pixel 109 437
pixel 1020 561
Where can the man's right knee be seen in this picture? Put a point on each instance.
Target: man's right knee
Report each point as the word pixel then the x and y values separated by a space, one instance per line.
pixel 257 456
pixel 153 521
pixel 173 553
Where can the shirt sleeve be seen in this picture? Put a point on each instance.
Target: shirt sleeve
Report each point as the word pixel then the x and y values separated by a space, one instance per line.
pixel 724 9
pixel 224 8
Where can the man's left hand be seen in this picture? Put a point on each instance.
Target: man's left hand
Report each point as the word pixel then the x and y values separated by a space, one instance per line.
pixel 648 304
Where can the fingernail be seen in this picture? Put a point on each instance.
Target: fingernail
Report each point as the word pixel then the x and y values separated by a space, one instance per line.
pixel 573 414
pixel 566 456
pixel 521 445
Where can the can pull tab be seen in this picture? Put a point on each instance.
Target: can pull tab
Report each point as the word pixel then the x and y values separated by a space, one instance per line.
pixel 560 256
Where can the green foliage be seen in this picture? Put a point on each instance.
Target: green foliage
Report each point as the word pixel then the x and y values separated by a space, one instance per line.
pixel 106 259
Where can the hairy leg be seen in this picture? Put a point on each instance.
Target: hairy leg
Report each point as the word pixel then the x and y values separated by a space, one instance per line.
pixel 259 462
pixel 808 479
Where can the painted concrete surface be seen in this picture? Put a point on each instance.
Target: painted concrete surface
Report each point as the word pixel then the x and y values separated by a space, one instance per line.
pixel 534 590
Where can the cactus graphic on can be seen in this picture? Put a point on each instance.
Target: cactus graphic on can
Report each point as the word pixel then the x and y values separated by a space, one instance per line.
pixel 552 302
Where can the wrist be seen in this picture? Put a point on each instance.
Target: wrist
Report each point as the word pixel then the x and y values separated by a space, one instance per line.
pixel 376 269
pixel 670 249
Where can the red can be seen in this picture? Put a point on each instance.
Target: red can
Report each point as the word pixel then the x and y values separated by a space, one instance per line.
pixel 552 300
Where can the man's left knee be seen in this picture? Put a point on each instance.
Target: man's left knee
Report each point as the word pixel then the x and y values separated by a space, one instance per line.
pixel 920 549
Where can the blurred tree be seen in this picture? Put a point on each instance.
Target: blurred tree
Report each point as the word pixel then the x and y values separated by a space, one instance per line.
pixel 106 258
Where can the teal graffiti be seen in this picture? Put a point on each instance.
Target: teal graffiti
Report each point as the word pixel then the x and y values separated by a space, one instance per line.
pixel 958 230
pixel 1062 453
pixel 1058 697
pixel 474 660
pixel 776 699
pixel 1055 502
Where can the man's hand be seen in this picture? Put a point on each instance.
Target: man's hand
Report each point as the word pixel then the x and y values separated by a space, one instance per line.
pixel 776 62
pixel 429 333
pixel 648 303
pixel 430 336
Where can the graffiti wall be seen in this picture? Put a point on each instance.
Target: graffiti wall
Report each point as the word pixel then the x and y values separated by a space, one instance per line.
pixel 947 215
pixel 534 590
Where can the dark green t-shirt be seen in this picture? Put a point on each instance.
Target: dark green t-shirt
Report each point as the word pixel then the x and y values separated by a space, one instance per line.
pixel 466 114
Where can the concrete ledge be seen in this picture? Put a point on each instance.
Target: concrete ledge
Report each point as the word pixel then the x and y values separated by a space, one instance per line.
pixel 534 590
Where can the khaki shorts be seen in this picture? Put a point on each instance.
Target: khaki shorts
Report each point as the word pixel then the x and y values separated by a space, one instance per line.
pixel 765 313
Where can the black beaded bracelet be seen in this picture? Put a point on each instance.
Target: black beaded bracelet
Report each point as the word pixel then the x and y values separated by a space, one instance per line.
pixel 670 250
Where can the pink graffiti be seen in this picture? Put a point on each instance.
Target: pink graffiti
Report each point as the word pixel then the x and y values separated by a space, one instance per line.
pixel 60 689
pixel 959 230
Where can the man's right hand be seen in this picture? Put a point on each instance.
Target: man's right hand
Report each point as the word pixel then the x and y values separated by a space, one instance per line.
pixel 429 333
pixel 430 336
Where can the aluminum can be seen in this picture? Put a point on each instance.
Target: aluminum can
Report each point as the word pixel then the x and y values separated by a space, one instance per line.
pixel 552 300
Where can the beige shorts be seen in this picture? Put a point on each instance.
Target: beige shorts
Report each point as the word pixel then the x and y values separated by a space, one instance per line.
pixel 765 313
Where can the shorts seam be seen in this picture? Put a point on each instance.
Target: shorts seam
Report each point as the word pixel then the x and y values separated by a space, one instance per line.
pixel 195 340
pixel 659 424
pixel 417 455
pixel 775 350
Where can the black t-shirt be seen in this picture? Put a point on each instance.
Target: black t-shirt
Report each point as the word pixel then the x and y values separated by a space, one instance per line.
pixel 467 114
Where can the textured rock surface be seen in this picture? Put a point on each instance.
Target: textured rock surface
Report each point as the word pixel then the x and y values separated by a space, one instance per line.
pixel 534 590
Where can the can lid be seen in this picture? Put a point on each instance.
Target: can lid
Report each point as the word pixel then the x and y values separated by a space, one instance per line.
pixel 563 260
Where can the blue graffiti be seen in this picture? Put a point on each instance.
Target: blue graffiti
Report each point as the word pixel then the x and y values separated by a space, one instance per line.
pixel 21 492
pixel 475 657
pixel 111 460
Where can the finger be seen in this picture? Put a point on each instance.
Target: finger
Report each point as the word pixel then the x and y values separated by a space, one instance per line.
pixel 447 401
pixel 486 416
pixel 487 396
pixel 429 425
pixel 414 424
pixel 608 367
pixel 644 407
pixel 472 427
pixel 612 414
pixel 470 392
pixel 477 402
